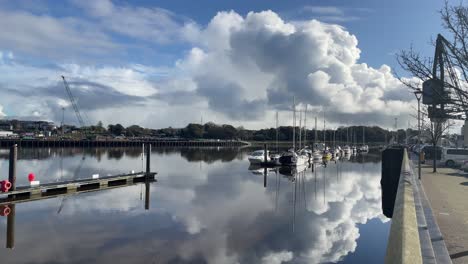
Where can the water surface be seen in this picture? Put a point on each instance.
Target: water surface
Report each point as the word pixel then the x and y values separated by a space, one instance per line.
pixel 207 207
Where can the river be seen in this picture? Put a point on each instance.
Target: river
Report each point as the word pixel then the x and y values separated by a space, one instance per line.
pixel 207 206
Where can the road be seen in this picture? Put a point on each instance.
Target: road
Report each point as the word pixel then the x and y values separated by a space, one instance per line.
pixel 447 191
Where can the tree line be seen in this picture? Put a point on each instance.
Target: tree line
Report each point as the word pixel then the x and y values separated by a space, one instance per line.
pixel 356 134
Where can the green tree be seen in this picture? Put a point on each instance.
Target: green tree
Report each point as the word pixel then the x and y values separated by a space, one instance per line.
pixel 193 131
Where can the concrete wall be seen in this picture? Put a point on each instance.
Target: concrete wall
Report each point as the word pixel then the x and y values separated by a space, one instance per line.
pixel 403 242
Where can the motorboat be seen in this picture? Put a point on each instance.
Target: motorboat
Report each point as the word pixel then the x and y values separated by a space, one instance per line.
pixel 307 152
pixel 327 155
pixel 347 149
pixel 317 155
pixel 274 159
pixel 258 156
pixel 363 149
pixel 291 158
pixel 347 156
pixel 337 151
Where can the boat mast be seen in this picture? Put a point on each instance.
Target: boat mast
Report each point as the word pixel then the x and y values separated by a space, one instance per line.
pixel 305 127
pixel 315 137
pixel 363 135
pixel 324 132
pixel 300 129
pixel 294 123
pixel 334 139
pixel 347 136
pixel 276 131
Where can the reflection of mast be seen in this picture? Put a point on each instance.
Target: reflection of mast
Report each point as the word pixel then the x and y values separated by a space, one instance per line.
pixel 294 207
pixel 265 177
pixel 277 188
pixel 324 185
pixel 304 189
pixel 315 179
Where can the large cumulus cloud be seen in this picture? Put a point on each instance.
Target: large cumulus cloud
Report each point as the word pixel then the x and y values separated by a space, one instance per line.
pixel 261 61
pixel 235 69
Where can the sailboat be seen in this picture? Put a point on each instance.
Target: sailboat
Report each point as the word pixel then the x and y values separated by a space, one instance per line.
pixel 326 153
pixel 364 148
pixel 317 148
pixel 258 156
pixel 291 157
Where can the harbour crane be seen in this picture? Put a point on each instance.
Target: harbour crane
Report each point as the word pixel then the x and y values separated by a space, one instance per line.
pixel 444 94
pixel 73 102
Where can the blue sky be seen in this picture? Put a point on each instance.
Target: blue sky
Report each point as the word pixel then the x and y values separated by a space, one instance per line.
pixel 178 56
pixel 382 27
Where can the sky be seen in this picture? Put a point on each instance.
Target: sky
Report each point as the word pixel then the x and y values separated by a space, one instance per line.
pixel 169 63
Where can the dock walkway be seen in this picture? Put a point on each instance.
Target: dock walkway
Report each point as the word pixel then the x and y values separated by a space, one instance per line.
pixel 447 191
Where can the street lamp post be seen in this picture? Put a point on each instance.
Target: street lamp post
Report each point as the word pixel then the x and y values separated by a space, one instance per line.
pixel 418 94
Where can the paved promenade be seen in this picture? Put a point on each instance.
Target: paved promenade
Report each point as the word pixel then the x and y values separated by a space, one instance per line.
pixel 447 191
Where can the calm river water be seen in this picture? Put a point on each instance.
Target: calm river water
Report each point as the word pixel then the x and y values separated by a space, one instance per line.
pixel 207 207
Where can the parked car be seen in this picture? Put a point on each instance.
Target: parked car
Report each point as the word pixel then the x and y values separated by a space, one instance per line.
pixel 452 157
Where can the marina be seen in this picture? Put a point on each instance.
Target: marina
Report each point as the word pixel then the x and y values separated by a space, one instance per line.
pixel 186 210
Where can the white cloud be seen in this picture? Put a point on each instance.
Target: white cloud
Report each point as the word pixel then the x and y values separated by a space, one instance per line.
pixel 334 13
pixel 2 114
pixel 152 24
pixel 50 37
pixel 277 257
pixel 324 10
pixel 258 62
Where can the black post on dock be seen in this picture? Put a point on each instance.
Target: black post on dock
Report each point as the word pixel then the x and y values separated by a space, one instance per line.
pixel 148 172
pixel 12 166
pixel 10 241
pixel 148 157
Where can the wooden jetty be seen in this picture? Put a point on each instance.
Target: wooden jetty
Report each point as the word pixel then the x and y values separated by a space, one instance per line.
pixel 51 190
pixel 52 142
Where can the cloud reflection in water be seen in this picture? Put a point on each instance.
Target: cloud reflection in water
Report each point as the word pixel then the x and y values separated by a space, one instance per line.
pixel 207 210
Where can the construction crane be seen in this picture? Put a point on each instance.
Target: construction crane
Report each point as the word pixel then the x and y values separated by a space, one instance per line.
pixel 73 102
pixel 443 93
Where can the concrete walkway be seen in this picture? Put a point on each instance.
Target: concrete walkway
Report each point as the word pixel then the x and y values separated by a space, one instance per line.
pixel 447 191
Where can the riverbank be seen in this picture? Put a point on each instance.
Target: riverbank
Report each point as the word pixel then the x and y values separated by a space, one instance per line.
pixel 447 192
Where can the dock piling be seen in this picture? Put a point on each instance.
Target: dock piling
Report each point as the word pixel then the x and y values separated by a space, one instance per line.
pixel 10 241
pixel 12 166
pixel 148 173
pixel 148 157
pixel 265 159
